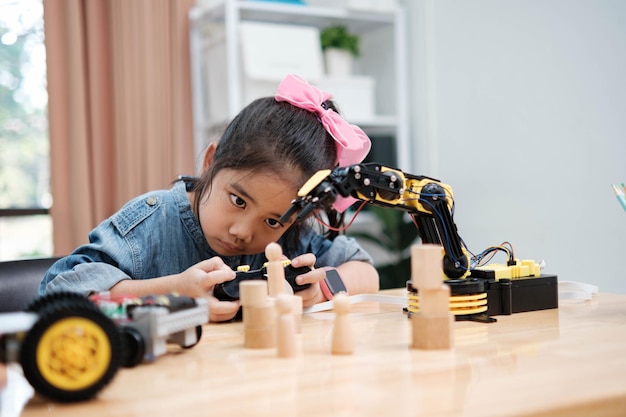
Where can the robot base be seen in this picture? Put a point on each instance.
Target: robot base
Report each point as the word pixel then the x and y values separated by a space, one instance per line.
pixel 478 299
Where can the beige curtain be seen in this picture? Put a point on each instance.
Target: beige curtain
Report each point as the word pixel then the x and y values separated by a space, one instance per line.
pixel 119 106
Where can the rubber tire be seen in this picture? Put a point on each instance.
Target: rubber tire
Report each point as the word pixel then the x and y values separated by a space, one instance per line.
pixel 198 336
pixel 52 313
pixel 133 347
pixel 51 298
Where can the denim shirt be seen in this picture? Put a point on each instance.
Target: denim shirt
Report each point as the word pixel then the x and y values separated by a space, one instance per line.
pixel 157 234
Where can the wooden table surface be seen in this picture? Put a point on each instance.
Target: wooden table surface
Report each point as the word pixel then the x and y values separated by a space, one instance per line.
pixel 569 361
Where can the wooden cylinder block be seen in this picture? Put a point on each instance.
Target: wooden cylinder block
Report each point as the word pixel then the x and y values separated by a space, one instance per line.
pixel 261 338
pixel 435 301
pixel 253 293
pixel 431 333
pixel 261 316
pixel 426 266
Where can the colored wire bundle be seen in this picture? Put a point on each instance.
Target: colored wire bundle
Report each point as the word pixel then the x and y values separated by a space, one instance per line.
pixel 486 255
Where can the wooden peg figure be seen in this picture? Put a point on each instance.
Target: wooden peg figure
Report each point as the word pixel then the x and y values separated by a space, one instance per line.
pixel 275 269
pixel 286 327
pixel 342 336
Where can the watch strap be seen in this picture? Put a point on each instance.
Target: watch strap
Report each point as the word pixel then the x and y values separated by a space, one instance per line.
pixel 332 283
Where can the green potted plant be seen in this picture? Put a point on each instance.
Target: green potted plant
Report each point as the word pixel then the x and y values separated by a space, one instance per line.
pixel 340 47
pixel 397 237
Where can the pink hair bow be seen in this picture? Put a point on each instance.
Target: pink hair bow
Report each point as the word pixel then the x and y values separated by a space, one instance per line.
pixel 352 143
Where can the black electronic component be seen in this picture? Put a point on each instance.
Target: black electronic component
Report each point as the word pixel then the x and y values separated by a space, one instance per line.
pixel 229 290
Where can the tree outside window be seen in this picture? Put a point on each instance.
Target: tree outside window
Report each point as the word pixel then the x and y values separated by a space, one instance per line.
pixel 25 226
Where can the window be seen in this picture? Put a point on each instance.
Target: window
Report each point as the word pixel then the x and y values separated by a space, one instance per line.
pixel 25 225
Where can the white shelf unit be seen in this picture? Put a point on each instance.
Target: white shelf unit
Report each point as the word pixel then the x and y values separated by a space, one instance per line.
pixel 383 57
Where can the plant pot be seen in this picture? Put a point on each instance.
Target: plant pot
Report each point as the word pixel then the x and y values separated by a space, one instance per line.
pixel 338 62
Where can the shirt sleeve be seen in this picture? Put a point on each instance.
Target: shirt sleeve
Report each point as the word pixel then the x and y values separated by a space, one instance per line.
pixel 115 252
pixel 93 267
pixel 83 278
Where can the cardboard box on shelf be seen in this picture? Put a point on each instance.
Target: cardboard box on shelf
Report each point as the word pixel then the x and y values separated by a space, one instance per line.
pixel 272 51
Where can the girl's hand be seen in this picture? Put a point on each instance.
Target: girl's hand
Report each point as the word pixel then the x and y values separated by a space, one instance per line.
pixel 307 259
pixel 222 310
pixel 313 294
pixel 199 279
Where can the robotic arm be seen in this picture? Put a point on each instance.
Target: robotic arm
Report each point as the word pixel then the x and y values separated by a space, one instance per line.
pixel 429 203
pixel 477 292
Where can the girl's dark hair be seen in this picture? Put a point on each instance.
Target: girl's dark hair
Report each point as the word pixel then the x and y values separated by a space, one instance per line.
pixel 281 138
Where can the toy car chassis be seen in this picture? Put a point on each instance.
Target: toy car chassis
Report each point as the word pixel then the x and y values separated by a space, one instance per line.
pixel 70 346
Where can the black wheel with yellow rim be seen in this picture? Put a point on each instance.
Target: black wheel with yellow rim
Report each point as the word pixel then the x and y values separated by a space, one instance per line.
pixel 72 351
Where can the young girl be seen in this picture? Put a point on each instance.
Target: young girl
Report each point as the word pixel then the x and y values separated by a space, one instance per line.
pixel 189 238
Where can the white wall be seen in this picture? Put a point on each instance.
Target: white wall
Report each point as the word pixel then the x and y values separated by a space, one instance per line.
pixel 521 107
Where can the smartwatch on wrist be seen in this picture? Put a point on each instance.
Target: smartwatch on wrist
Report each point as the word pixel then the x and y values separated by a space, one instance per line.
pixel 332 283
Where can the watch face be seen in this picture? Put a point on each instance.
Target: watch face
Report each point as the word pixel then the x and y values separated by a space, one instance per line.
pixel 334 282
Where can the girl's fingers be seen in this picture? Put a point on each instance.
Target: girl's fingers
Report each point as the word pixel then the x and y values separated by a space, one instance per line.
pixel 217 277
pixel 223 310
pixel 311 277
pixel 307 259
pixel 311 295
pixel 213 264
